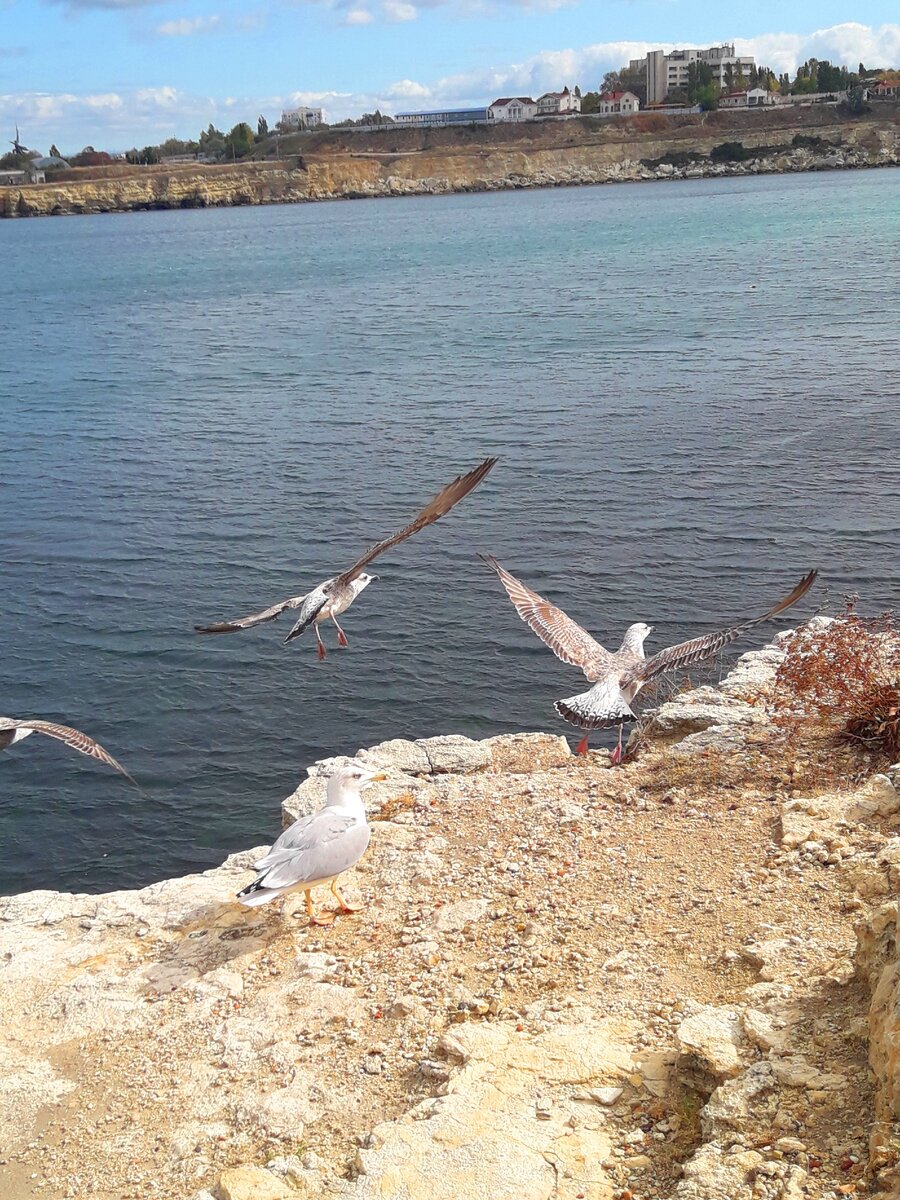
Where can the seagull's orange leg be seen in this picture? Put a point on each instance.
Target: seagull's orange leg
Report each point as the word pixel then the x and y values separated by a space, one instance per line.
pixel 345 907
pixel 323 918
pixel 616 757
pixel 582 747
pixel 321 644
pixel 342 637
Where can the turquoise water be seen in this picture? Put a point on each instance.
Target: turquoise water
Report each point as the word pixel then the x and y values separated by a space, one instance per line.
pixel 692 388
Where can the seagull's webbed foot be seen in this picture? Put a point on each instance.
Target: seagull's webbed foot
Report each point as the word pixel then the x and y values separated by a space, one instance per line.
pixel 321 651
pixel 325 917
pixel 345 907
pixel 342 639
pixel 582 747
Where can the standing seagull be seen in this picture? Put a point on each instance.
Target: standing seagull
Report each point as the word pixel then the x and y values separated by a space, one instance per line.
pixel 12 731
pixel 618 677
pixel 334 596
pixel 315 850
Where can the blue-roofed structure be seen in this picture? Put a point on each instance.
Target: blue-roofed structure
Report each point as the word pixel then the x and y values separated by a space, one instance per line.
pixel 446 116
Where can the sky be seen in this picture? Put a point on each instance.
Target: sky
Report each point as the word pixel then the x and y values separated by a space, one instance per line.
pixel 118 73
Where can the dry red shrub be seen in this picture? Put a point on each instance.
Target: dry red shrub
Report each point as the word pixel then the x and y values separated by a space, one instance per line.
pixel 842 682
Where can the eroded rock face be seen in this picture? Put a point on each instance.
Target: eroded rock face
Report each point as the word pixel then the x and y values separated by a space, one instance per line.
pixel 710 1041
pixel 878 962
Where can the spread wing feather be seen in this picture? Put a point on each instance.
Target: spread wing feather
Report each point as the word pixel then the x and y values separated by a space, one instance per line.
pixel 565 637
pixel 74 739
pixel 433 511
pixel 708 645
pixel 268 614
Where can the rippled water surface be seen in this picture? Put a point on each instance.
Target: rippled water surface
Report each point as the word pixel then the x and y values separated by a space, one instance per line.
pixel 693 389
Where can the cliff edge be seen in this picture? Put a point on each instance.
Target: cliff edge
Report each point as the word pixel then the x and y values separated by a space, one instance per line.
pixel 677 979
pixel 341 165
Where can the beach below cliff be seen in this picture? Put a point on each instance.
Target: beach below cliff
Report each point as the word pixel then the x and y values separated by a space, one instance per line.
pixel 674 979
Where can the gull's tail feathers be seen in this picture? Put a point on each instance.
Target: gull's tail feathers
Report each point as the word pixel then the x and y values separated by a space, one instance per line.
pixel 257 893
pixel 305 621
pixel 602 707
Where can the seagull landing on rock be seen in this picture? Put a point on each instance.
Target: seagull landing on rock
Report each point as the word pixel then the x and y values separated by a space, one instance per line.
pixel 334 596
pixel 12 731
pixel 617 677
pixel 315 850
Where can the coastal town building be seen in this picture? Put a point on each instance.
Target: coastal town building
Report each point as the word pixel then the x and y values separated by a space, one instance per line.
pixel 887 88
pixel 301 118
pixel 668 72
pixel 614 104
pixel 30 174
pixel 514 108
pixel 553 104
pixel 445 116
pixel 752 98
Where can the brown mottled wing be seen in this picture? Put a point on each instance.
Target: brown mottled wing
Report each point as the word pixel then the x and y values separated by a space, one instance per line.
pixel 436 508
pixel 75 740
pixel 564 636
pixel 700 648
pixel 268 614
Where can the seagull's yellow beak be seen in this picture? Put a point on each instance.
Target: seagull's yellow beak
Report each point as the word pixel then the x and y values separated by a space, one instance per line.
pixel 380 777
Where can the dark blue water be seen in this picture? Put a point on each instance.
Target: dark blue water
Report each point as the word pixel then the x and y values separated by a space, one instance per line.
pixel 693 389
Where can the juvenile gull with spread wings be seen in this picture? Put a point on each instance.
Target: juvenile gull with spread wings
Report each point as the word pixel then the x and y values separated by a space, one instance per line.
pixel 12 731
pixel 317 849
pixel 617 677
pixel 334 596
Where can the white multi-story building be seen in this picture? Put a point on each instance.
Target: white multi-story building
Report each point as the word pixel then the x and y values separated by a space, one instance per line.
pixel 669 72
pixel 553 104
pixel 301 118
pixel 514 108
pixel 614 104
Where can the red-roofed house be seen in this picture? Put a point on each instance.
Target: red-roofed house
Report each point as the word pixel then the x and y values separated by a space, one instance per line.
pixel 613 104
pixel 887 88
pixel 514 108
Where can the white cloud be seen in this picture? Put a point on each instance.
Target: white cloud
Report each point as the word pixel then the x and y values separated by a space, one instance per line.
pixel 187 26
pixel 357 16
pixel 847 45
pixel 115 121
pixel 398 10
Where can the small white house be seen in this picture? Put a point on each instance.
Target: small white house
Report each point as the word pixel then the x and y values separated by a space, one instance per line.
pixel 514 108
pixel 301 118
pixel 733 100
pixel 553 104
pixel 614 104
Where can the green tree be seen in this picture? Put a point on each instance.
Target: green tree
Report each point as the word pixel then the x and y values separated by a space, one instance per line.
pixel 590 102
pixel 707 97
pixel 262 128
pixel 239 140
pixel 212 142
pixel 729 77
pixel 700 79
pixel 54 153
pixel 612 82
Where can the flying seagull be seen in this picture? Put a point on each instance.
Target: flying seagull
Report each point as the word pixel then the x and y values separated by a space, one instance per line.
pixel 334 596
pixel 317 849
pixel 617 677
pixel 12 731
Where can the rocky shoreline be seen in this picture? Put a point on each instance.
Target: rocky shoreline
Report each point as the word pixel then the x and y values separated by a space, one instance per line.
pixel 451 169
pixel 679 979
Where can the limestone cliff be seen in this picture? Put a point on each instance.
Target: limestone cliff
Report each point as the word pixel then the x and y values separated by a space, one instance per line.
pixel 568 983
pixel 357 166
